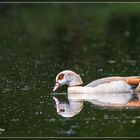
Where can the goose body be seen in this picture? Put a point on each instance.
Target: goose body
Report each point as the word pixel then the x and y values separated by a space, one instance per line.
pixel 111 87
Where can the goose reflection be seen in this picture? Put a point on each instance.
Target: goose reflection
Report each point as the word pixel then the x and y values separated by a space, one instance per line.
pixel 107 99
pixel 126 99
pixel 117 100
pixel 69 109
pixel 113 100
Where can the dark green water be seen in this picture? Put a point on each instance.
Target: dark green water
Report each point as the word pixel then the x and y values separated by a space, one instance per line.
pixel 37 41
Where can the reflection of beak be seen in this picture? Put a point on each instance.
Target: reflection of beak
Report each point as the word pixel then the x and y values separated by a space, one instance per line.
pixel 57 85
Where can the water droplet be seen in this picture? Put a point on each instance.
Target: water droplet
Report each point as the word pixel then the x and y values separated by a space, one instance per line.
pixel 126 33
pixel 133 121
pixel 36 113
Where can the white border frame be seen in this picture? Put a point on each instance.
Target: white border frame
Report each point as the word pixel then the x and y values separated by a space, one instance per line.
pixel 71 3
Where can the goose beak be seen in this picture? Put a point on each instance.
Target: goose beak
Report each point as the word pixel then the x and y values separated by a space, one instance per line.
pixel 57 85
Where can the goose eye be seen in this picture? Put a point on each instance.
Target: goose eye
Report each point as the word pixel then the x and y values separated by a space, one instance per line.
pixel 61 77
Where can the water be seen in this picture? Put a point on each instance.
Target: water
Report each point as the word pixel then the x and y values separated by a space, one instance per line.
pixel 37 41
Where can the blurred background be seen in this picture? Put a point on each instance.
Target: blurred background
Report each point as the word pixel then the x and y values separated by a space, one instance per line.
pixel 37 41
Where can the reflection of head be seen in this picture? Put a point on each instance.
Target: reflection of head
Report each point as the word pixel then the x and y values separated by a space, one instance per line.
pixel 68 109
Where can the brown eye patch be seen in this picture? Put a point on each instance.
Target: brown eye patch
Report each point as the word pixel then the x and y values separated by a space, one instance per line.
pixel 61 77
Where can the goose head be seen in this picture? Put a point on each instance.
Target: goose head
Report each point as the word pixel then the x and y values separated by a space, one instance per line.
pixel 68 78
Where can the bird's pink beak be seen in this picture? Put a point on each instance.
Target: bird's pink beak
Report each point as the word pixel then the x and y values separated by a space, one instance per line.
pixel 57 85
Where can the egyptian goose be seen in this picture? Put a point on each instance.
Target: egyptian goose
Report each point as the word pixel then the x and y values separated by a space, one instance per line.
pixel 103 85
